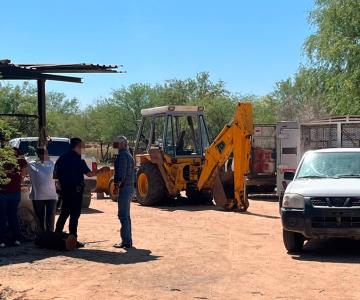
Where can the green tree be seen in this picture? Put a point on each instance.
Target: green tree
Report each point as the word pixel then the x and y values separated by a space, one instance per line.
pixel 265 110
pixel 127 104
pixel 300 97
pixel 64 116
pixel 102 123
pixel 123 108
pixel 7 155
pixel 218 102
pixel 334 49
pixel 330 83
pixel 19 99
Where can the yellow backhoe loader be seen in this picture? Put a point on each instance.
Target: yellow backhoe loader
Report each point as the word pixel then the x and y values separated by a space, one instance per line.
pixel 173 154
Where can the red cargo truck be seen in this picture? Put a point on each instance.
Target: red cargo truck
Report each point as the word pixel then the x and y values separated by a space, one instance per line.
pixel 262 176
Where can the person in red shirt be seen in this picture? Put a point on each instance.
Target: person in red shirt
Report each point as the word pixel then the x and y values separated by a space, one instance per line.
pixel 10 196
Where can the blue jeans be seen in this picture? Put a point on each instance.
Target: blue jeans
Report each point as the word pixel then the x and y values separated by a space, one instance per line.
pixel 8 215
pixel 124 200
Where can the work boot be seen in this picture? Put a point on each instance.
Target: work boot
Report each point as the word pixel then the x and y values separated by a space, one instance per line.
pixel 122 245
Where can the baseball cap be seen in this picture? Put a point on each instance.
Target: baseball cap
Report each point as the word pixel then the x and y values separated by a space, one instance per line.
pixel 122 139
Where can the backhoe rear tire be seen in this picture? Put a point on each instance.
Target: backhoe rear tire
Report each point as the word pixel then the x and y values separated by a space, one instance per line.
pixel 150 187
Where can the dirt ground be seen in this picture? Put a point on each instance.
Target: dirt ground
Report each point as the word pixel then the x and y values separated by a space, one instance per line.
pixel 183 252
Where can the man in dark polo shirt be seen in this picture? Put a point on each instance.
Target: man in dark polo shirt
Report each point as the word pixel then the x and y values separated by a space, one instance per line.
pixel 10 196
pixel 70 169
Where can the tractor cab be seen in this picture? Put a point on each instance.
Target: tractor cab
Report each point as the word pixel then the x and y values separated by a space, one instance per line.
pixel 169 152
pixel 179 131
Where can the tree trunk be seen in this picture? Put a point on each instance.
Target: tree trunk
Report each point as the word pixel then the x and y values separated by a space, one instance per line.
pixel 107 151
pixel 101 151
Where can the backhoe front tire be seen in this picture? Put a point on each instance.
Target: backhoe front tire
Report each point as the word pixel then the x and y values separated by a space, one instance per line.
pixel 293 241
pixel 150 187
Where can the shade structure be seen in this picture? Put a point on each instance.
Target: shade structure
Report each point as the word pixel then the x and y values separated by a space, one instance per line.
pixel 43 72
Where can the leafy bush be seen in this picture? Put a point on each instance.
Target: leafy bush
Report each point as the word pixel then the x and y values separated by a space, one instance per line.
pixel 7 155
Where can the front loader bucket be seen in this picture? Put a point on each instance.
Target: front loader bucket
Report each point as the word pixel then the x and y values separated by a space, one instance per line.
pixel 103 179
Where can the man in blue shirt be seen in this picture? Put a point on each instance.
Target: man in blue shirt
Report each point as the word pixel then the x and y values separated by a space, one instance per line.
pixel 124 186
pixel 70 169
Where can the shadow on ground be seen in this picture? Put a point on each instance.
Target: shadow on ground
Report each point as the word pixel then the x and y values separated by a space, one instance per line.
pixel 261 215
pixel 196 208
pixel 331 250
pixel 86 211
pixel 264 197
pixel 184 204
pixel 188 207
pixel 29 253
pixel 90 211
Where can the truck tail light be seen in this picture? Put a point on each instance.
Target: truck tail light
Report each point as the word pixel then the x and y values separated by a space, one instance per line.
pixel 94 166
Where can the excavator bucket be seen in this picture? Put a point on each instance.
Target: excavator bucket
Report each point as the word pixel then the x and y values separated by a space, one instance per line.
pixel 218 192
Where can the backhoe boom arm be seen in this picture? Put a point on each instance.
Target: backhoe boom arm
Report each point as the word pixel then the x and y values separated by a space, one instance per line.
pixel 234 140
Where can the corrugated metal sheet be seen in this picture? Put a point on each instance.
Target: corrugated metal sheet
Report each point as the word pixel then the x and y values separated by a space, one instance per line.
pixel 72 68
pixel 10 71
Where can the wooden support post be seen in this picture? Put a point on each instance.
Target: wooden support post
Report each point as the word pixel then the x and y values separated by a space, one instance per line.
pixel 41 112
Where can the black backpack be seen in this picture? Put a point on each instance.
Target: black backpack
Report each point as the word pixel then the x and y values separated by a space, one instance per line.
pixel 57 241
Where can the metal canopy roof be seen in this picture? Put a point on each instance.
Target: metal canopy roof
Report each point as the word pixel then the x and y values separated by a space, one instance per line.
pixel 10 71
pixel 43 72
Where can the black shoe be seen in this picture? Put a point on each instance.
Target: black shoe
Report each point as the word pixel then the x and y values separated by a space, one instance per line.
pixel 123 246
pixel 80 244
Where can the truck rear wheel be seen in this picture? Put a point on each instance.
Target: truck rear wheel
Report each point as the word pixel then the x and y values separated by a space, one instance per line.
pixel 150 187
pixel 293 241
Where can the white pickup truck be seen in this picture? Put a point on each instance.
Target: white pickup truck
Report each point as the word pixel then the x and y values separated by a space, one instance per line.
pixel 323 198
pixel 56 147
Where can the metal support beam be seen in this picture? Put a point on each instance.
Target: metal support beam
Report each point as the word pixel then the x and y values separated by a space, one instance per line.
pixel 19 116
pixel 16 73
pixel 41 112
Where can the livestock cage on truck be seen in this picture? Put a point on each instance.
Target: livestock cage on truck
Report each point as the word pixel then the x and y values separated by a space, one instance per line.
pixel 294 139
pixel 336 132
pixel 262 175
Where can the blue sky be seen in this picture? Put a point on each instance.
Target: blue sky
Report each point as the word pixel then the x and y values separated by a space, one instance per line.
pixel 249 44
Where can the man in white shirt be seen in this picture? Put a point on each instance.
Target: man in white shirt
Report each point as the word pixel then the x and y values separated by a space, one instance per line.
pixel 43 191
